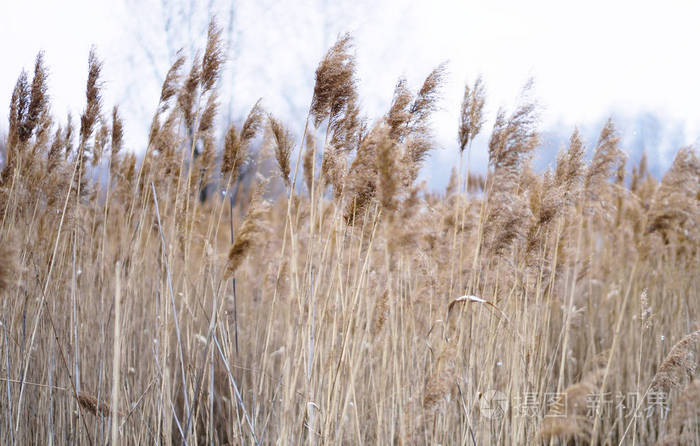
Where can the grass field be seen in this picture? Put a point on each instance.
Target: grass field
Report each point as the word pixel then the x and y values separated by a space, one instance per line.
pixel 327 296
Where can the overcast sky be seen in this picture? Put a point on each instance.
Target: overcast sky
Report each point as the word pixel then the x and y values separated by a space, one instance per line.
pixel 589 59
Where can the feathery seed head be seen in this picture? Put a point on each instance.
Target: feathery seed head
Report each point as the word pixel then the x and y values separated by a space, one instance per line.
pixel 186 96
pixel 428 96
pixel 117 131
pixel 213 57
pixel 283 142
pixel 250 231
pixel 472 113
pixel 93 97
pixel 206 121
pixel 171 83
pixel 335 82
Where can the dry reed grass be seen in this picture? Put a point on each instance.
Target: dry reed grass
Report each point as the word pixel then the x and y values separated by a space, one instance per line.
pixel 346 323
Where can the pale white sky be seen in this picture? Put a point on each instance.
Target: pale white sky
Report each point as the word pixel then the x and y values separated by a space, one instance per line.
pixel 589 59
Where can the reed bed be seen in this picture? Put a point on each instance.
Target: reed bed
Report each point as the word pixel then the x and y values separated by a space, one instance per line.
pixel 293 286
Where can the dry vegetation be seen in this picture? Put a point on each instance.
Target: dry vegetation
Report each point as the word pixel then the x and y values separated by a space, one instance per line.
pixel 335 299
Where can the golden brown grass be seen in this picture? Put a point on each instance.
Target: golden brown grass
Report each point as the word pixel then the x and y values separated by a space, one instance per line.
pixel 331 313
pixel 7 265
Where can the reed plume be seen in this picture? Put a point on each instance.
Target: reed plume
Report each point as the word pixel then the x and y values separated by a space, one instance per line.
pixel 19 103
pixel 380 312
pixel 569 171
pixel 472 113
pixel 205 161
pixel 235 152
pixel 679 366
pixel 250 231
pixel 553 194
pixel 333 168
pixel 283 143
pixel 95 407
pixel 308 163
pixel 252 123
pixel 53 157
pixel 399 114
pixel 426 100
pixel 606 156
pixel 68 136
pixel 676 203
pixel 171 83
pixel 206 120
pixel 514 137
pixel 117 137
pixel 213 57
pixel 442 377
pixel 346 131
pixel 388 171
pixel 362 177
pixel 186 96
pixel 101 139
pixel 39 101
pixel 512 141
pixel 335 83
pixel 93 98
pixel 164 143
pixel 29 109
